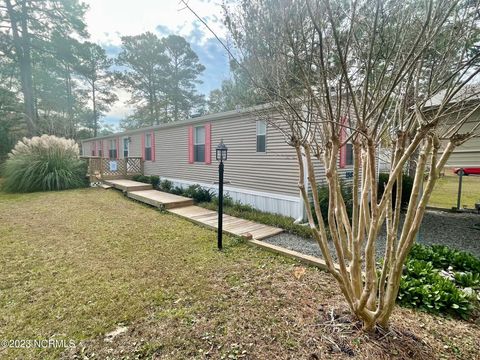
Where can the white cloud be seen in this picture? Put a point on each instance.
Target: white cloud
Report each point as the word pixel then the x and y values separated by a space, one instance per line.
pixel 121 108
pixel 107 20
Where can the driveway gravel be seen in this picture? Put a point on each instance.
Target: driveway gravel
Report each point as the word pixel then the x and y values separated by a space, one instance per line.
pixel 457 230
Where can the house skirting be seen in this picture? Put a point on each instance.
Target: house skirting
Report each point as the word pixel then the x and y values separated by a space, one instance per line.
pixel 264 201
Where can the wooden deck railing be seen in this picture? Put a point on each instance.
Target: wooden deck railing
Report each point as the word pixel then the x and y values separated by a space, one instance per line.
pixel 103 168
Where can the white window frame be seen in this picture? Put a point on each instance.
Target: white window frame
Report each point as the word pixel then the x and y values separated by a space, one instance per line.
pixel 197 142
pixel 259 133
pixel 148 138
pixel 114 142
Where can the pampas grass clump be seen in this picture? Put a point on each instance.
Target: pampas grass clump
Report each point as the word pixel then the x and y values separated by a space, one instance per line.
pixel 43 163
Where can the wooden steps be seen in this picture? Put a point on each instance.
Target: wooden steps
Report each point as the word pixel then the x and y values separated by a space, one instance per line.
pixel 231 225
pixel 160 199
pixel 128 185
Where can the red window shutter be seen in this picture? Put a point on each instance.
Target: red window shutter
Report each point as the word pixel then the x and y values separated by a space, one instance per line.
pixel 118 148
pixel 152 138
pixel 208 143
pixel 143 146
pixel 190 145
pixel 343 137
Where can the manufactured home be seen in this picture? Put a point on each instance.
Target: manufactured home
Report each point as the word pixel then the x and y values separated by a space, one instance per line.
pixel 261 170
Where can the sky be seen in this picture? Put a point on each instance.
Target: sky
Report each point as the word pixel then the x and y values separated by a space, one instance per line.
pixel 108 20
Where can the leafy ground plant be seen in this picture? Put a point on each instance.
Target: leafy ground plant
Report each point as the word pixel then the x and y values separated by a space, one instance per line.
pixel 44 163
pixel 424 288
pixel 435 277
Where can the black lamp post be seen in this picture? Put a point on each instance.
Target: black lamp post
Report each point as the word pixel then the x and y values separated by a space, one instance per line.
pixel 221 155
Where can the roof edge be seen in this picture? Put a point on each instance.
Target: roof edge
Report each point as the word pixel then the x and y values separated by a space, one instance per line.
pixel 210 117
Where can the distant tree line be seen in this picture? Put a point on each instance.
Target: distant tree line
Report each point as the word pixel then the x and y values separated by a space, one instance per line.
pixel 53 80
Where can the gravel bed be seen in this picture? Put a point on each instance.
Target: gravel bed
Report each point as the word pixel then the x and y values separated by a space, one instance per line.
pixel 456 230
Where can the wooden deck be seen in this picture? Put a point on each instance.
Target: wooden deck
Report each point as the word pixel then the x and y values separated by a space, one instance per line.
pixel 231 225
pixel 128 185
pixel 184 207
pixel 160 199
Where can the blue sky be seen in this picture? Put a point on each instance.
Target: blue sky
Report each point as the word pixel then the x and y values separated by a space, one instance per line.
pixel 108 20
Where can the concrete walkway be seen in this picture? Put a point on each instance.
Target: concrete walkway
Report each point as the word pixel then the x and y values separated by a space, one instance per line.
pixel 184 207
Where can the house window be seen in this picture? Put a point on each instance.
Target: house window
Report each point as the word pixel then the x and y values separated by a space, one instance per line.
pixel 93 152
pixel 349 155
pixel 148 147
pixel 199 144
pixel 261 135
pixel 99 152
pixel 125 147
pixel 112 152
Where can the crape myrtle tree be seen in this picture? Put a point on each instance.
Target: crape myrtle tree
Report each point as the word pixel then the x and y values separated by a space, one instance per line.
pixel 366 73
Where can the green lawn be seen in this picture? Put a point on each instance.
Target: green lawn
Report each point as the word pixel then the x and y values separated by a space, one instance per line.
pixel 446 189
pixel 77 264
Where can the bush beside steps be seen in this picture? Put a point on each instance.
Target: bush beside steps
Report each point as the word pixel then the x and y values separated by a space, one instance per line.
pixel 44 163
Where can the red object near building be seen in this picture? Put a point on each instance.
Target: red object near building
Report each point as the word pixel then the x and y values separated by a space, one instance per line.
pixel 468 171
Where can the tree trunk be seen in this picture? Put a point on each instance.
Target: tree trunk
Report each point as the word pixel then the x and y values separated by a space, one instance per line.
pixel 21 43
pixel 95 117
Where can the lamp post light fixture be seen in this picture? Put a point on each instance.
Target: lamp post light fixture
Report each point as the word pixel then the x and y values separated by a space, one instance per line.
pixel 221 155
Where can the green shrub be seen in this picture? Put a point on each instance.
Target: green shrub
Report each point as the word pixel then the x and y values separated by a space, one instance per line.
pixel 407 185
pixel 422 287
pixel 142 178
pixel 227 200
pixel 323 197
pixel 177 190
pixel 198 193
pixel 44 163
pixel 154 180
pixel 166 185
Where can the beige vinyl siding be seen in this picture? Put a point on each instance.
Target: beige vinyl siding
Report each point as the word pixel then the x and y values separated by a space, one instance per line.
pixel 467 154
pixel 274 171
pixel 135 145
